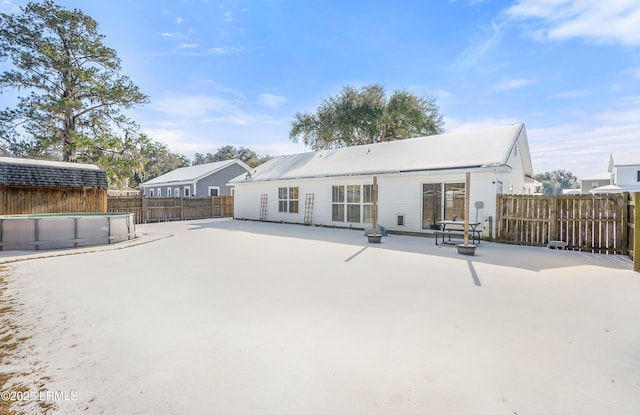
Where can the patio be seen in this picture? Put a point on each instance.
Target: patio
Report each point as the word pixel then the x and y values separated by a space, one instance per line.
pixel 235 317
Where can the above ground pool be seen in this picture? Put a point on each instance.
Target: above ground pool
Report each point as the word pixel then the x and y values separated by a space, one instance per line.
pixel 70 230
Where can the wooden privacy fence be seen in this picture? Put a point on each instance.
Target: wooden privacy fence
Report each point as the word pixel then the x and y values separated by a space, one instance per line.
pixel 595 223
pixel 35 200
pixel 163 209
pixel 633 227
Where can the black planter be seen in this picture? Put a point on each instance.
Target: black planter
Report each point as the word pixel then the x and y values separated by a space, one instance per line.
pixel 374 239
pixel 466 249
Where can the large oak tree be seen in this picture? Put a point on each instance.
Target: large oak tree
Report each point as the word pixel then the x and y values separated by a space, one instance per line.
pixel 72 92
pixel 366 116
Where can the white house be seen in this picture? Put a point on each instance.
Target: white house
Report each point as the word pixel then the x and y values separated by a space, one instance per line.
pixel 420 181
pixel 625 170
pixel 200 180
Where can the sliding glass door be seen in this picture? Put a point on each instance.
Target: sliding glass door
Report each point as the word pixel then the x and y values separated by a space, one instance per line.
pixel 454 201
pixel 431 205
pixel 441 201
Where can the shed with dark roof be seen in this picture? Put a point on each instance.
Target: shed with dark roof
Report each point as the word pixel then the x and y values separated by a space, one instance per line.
pixel 30 186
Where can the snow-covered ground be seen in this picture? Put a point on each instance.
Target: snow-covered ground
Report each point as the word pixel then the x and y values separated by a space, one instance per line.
pixel 232 317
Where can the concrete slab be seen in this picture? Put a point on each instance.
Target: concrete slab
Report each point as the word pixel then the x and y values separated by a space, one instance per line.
pixel 233 317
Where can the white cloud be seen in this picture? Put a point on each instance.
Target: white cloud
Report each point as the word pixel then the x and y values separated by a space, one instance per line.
pixel 600 21
pixel 187 46
pixel 469 2
pixel 203 123
pixel 582 147
pixel 193 107
pixel 271 100
pixel 635 72
pixel 626 112
pixel 9 7
pixel 180 20
pixel 174 137
pixel 479 46
pixel 228 17
pixel 443 94
pixel 167 34
pixel 453 125
pixel 227 50
pixel 508 84
pixel 209 109
pixel 577 93
pixel 217 51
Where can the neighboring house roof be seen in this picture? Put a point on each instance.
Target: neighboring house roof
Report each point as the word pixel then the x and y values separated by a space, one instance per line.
pixel 44 173
pixel 629 158
pixel 192 174
pixel 610 188
pixel 488 147
pixel 599 176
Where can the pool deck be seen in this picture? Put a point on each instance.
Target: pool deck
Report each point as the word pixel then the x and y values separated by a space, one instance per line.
pixel 238 317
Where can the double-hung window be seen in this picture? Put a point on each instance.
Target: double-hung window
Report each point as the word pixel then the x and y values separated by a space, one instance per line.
pixel 337 203
pixel 288 199
pixel 352 203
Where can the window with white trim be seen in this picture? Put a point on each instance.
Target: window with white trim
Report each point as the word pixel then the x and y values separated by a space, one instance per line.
pixel 288 199
pixel 214 191
pixel 159 192
pixel 168 192
pixel 352 203
pixel 187 191
pixel 337 203
pixel 176 192
pixel 151 193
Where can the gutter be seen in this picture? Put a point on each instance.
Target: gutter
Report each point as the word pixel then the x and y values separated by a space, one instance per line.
pixel 483 167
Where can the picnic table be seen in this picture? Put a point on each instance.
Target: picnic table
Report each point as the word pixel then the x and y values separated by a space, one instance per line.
pixel 456 228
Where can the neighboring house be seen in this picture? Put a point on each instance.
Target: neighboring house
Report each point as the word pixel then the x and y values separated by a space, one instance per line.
pixel 420 181
pixel 592 182
pixel 127 191
pixel 625 170
pixel 201 180
pixel 30 186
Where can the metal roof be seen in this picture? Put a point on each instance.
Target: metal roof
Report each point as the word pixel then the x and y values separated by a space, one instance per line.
pixel 468 149
pixel 192 173
pixel 599 176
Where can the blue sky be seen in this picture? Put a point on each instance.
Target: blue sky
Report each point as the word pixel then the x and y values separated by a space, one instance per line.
pixel 235 72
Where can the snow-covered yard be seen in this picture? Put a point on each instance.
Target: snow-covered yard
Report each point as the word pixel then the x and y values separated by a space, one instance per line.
pixel 233 317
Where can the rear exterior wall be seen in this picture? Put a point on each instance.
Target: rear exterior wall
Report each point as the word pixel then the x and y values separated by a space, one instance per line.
pixel 398 195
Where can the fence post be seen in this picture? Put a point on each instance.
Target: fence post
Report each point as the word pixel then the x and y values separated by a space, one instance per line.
pixel 553 219
pixel 636 232
pixel 181 209
pixel 623 214
pixel 143 208
pixel 498 218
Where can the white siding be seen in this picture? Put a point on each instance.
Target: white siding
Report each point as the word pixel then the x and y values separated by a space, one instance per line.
pixel 398 195
pixel 627 175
